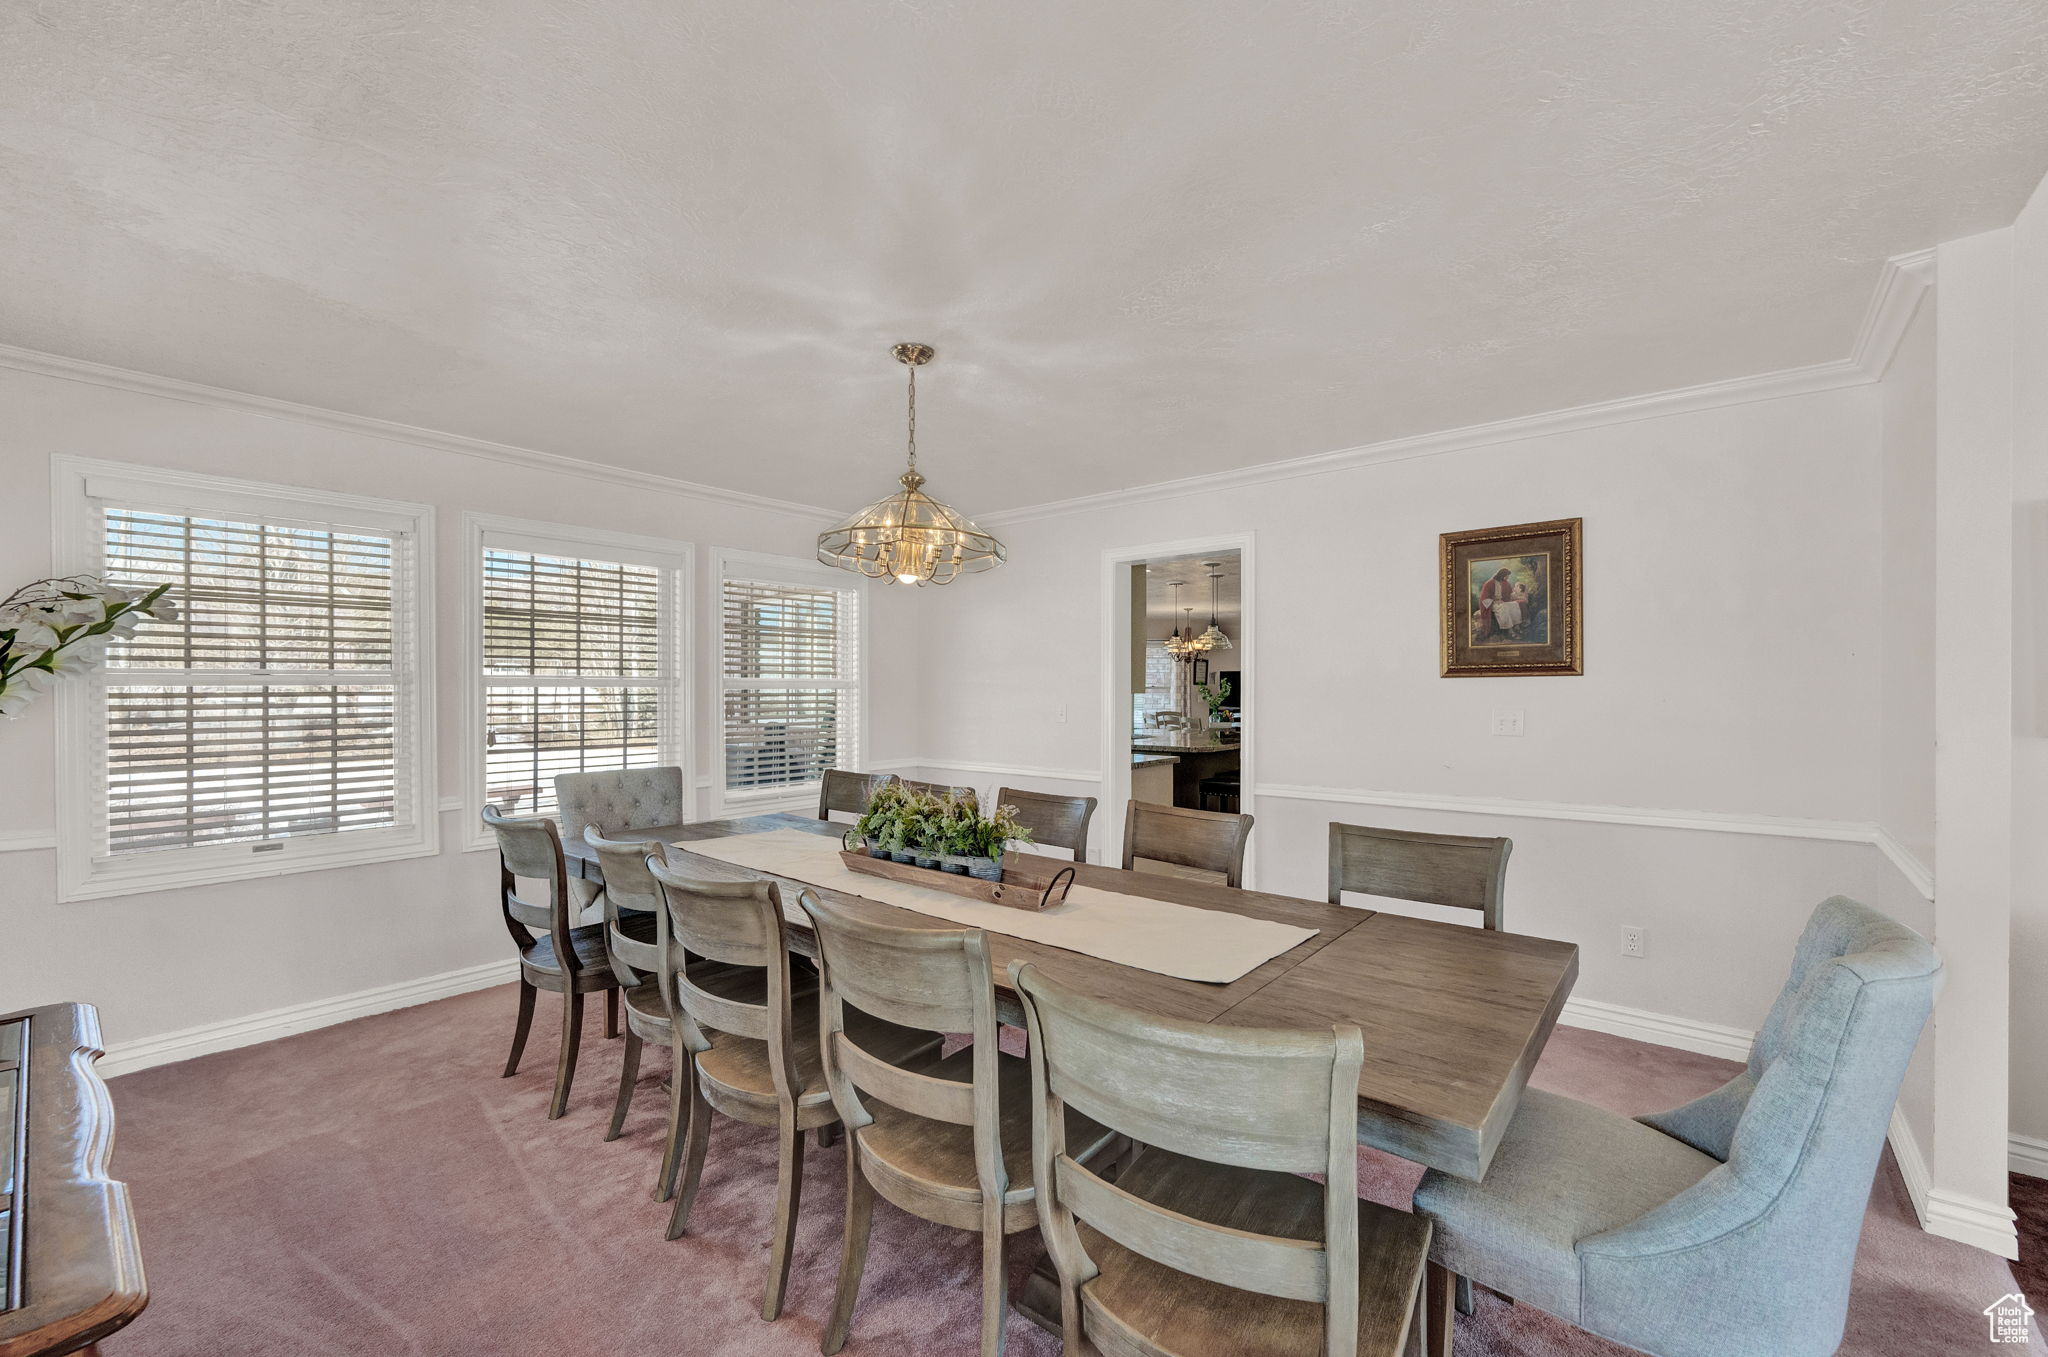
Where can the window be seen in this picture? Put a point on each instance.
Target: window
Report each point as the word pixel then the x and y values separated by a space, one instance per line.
pixel 790 671
pixel 1159 676
pixel 277 723
pixel 577 641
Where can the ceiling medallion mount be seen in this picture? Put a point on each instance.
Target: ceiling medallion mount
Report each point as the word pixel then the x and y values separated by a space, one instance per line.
pixel 910 538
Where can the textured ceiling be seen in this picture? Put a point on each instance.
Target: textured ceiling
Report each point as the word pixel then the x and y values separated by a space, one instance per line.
pixel 1150 239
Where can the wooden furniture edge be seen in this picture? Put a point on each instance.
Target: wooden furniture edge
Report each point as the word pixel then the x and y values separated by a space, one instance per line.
pixel 81 1281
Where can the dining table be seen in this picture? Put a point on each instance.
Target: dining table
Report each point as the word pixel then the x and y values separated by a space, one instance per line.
pixel 1454 1017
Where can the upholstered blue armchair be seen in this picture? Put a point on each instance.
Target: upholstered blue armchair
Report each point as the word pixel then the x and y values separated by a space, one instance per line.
pixel 1726 1227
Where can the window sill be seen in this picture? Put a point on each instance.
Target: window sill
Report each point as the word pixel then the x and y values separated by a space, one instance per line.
pixel 104 884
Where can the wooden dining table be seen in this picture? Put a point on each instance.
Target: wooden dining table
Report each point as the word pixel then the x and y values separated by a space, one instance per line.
pixel 1454 1017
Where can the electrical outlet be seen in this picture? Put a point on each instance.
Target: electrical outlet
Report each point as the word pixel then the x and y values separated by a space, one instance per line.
pixel 1507 720
pixel 1631 940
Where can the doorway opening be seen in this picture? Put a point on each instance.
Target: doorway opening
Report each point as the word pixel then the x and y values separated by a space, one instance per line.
pixel 1177 721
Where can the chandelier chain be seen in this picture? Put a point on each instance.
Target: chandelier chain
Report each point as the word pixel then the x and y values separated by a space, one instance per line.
pixel 913 419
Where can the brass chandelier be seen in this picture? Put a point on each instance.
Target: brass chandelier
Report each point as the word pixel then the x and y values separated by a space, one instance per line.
pixel 911 538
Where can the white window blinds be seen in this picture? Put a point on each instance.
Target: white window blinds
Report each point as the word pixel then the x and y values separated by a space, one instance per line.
pixel 790 672
pixel 577 672
pixel 271 708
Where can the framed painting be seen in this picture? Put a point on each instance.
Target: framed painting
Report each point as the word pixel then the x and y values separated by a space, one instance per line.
pixel 1511 600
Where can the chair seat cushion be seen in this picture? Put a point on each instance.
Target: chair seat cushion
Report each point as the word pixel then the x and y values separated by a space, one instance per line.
pixel 1565 1170
pixel 1137 1306
pixel 935 1159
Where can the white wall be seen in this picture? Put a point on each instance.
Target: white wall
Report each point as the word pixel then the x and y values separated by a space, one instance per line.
pixel 1904 602
pixel 162 962
pixel 1736 664
pixel 2030 688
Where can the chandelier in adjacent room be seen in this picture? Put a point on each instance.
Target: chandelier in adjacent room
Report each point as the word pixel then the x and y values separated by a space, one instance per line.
pixel 911 538
pixel 1213 638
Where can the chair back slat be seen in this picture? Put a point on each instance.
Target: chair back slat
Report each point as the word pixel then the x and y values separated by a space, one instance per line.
pixel 1276 1100
pixel 848 793
pixel 1054 821
pixel 737 922
pixel 1295 1268
pixel 913 977
pixel 627 882
pixel 940 1099
pixel 528 846
pixel 1230 1095
pixel 1206 840
pixel 1434 869
pixel 617 801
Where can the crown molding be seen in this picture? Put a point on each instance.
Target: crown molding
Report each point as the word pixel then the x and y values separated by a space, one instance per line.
pixel 1904 281
pixel 1900 285
pixel 505 454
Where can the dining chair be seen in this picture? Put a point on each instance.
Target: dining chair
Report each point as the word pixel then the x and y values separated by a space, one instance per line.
pixel 1726 1227
pixel 848 792
pixel 1434 869
pixel 1202 839
pixel 940 789
pixel 753 1057
pixel 1211 1241
pixel 1054 821
pixel 632 896
pixel 950 1143
pixel 567 959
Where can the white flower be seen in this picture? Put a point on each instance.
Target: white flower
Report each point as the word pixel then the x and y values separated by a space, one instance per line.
pixel 30 635
pixel 75 659
pixel 163 610
pixel 84 610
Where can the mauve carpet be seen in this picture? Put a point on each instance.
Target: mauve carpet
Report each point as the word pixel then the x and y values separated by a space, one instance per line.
pixel 376 1188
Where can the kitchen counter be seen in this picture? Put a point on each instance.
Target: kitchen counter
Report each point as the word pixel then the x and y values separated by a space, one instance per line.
pixel 1181 742
pixel 1147 760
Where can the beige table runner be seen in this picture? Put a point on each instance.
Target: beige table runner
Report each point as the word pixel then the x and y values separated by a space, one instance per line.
pixel 1153 935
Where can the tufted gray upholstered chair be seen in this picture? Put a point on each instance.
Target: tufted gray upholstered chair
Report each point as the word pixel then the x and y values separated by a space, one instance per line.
pixel 1726 1227
pixel 619 803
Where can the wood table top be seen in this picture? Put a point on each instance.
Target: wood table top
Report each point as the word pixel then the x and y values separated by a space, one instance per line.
pixel 1454 1017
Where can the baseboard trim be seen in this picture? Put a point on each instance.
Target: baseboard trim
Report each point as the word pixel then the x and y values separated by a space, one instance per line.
pixel 1912 1163
pixel 1968 1220
pixel 2028 1155
pixel 126 1057
pixel 1658 1029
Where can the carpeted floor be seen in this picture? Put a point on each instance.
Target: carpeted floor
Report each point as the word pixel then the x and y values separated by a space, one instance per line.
pixel 375 1188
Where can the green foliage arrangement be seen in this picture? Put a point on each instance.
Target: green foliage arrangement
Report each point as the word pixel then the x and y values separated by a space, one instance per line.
pixel 898 820
pixel 1215 697
pixel 56 627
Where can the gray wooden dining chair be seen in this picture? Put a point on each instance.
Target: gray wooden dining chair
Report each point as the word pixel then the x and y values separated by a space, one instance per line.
pixel 753 1057
pixel 1434 869
pixel 632 905
pixel 1211 1241
pixel 950 1143
pixel 848 793
pixel 1054 821
pixel 1206 840
pixel 566 959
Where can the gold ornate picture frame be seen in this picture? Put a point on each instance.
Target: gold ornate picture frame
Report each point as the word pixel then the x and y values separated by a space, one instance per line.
pixel 1511 600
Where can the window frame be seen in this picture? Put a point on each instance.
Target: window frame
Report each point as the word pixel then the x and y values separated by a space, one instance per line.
pixel 672 680
pixel 80 487
pixel 799 573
